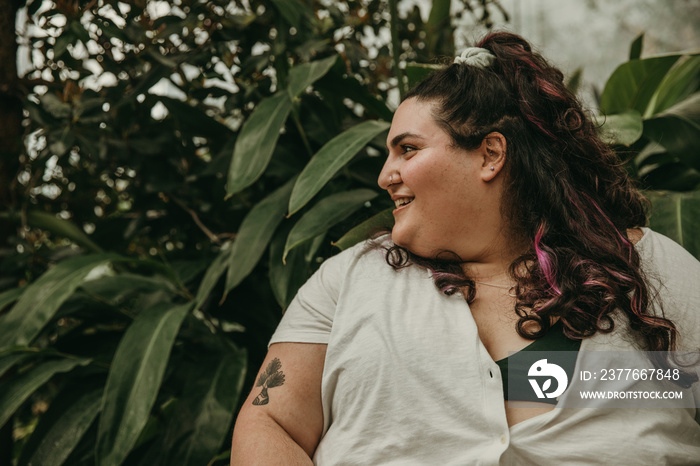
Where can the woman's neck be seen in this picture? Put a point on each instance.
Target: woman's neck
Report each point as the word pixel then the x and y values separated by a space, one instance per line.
pixel 494 263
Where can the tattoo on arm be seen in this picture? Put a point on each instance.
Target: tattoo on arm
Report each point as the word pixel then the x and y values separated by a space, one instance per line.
pixel 271 377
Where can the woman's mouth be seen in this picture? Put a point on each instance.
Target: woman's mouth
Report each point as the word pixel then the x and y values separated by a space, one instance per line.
pixel 402 201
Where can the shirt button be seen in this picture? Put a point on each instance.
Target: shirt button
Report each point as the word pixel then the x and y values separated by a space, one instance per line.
pixel 503 439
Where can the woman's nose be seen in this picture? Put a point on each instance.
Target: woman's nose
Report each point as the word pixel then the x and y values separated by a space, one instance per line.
pixel 384 179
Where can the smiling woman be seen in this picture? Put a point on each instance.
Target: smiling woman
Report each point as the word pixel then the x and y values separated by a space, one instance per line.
pixel 439 188
pixel 516 230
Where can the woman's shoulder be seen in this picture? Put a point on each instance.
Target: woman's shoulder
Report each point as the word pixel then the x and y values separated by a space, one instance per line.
pixel 668 257
pixel 674 275
pixel 370 253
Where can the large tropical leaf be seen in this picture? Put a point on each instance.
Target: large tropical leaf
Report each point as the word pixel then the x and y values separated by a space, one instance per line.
pixel 255 233
pixel 380 221
pixel 677 215
pixel 325 214
pixel 673 176
pixel 331 158
pixel 621 129
pixel 257 140
pixel 134 380
pixel 680 82
pixel 17 390
pixel 61 428
pixel 678 130
pixel 632 84
pixel 302 76
pixel 205 411
pixel 41 299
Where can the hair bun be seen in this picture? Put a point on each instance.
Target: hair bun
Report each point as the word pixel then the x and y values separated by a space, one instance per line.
pixel 475 56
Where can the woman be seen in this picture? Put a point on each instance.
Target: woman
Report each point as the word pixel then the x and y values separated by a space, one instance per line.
pixel 513 224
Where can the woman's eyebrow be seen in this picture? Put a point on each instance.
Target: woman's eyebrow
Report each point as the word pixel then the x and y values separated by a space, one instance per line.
pixel 397 139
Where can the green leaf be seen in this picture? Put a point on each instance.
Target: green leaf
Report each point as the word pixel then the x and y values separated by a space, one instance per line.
pixel 194 120
pixel 633 84
pixel 257 141
pixel 302 76
pixel 439 15
pixel 678 130
pixel 55 106
pixel 212 275
pixel 287 277
pixel 255 234
pixel 621 129
pixel 61 428
pixel 353 90
pixel 41 299
pixel 677 215
pixel 673 176
pixel 16 390
pixel 205 411
pixel 116 287
pixel 61 45
pixel 636 47
pixel 573 83
pixel 291 11
pixel 326 213
pixel 417 72
pixel 61 227
pixel 331 158
pixel 650 154
pixel 10 296
pixel 9 360
pixel 134 380
pixel 680 82
pixel 382 220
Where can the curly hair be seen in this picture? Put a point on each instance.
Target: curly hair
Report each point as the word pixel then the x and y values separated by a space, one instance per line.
pixel 567 192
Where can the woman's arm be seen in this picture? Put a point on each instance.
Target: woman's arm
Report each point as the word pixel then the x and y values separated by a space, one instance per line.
pixel 282 419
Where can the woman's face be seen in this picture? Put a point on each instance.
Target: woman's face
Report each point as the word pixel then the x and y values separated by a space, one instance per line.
pixel 439 189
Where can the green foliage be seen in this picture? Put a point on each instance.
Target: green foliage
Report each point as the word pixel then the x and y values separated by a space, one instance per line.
pixel 651 112
pixel 187 166
pixel 332 157
pixel 135 375
pixel 660 96
pixel 677 215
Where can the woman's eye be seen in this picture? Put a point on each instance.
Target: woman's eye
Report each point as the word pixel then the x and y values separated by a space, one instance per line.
pixel 406 148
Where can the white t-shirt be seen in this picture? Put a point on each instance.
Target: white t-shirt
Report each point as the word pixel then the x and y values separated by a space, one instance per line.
pixel 407 380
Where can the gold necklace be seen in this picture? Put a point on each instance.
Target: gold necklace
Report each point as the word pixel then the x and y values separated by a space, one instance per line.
pixel 505 287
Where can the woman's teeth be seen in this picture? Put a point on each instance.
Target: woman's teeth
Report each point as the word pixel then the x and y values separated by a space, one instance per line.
pixel 403 201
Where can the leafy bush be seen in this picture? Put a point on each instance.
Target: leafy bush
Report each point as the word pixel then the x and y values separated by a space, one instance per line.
pixel 651 114
pixel 186 166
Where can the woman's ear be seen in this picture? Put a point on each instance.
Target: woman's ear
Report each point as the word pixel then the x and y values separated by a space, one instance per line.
pixel 493 149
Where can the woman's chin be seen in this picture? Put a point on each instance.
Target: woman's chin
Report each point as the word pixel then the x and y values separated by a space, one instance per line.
pixel 409 244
